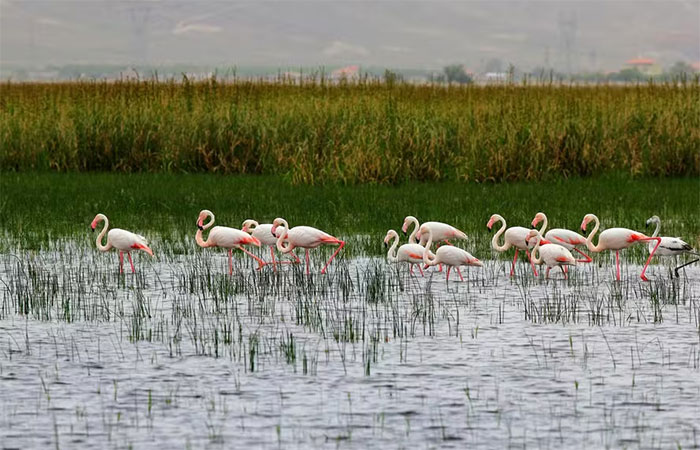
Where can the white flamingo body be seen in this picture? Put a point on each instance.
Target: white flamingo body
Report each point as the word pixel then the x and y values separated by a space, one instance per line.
pixel 410 253
pixel 441 231
pixel 452 257
pixel 224 237
pixel 306 238
pixel 617 239
pixel 566 238
pixel 263 233
pixel 670 246
pixel 123 240
pixel 513 237
pixel 551 255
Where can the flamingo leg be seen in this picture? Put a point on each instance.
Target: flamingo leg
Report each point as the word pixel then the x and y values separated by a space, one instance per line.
pixel 121 262
pixel 230 261
pixel 342 244
pixel 410 268
pixel 272 253
pixel 459 273
pixel 421 271
pixel 296 258
pixel 261 263
pixel 588 258
pixel 547 273
pixel 307 261
pixel 532 264
pixel 563 269
pixel 658 242
pixel 448 274
pixel 439 267
pixel 515 258
pixel 131 262
pixel 617 264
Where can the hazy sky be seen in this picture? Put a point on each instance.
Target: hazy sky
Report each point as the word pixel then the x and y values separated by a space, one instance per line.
pixel 420 34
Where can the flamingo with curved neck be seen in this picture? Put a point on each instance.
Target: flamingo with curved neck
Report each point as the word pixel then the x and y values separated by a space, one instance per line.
pixel 411 253
pixel 552 255
pixel 263 232
pixel 225 237
pixel 671 246
pixel 306 238
pixel 566 238
pixel 441 231
pixel 122 240
pixel 617 239
pixel 452 257
pixel 514 237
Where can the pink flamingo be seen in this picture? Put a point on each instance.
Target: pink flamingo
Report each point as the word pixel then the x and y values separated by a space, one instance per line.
pixel 617 239
pixel 225 237
pixel 122 240
pixel 306 238
pixel 410 253
pixel 441 231
pixel 566 238
pixel 449 255
pixel 552 255
pixel 514 237
pixel 263 232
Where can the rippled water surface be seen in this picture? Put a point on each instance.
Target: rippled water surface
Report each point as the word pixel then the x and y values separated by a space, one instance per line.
pixel 181 354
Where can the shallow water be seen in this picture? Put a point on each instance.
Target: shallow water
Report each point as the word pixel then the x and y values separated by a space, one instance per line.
pixel 181 354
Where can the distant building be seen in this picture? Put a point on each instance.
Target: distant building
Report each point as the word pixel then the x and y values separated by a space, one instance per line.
pixel 647 66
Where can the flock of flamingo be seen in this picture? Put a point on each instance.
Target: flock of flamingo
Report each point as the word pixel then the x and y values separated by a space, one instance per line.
pixel 549 247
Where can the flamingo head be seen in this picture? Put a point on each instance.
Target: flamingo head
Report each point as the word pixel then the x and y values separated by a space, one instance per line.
pixel 389 236
pixel 532 237
pixel 406 222
pixel 586 220
pixel 98 218
pixel 249 225
pixel 539 217
pixel 492 220
pixel 203 214
pixel 276 223
pixel 653 219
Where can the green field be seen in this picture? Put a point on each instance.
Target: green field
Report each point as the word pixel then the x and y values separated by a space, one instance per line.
pixel 37 208
pixel 384 133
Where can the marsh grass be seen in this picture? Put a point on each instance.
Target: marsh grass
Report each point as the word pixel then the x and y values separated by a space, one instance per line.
pixel 352 132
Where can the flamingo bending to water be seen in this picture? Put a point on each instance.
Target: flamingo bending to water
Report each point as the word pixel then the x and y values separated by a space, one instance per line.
pixel 617 239
pixel 449 255
pixel 306 238
pixel 670 246
pixel 441 231
pixel 225 237
pixel 552 255
pixel 122 240
pixel 410 253
pixel 514 237
pixel 263 232
pixel 566 238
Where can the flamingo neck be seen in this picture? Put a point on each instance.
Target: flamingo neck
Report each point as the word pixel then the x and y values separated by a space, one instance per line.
pixel 494 241
pixel 391 255
pixel 657 229
pixel 412 238
pixel 544 225
pixel 536 251
pixel 281 246
pixel 426 253
pixel 589 239
pixel 198 237
pixel 100 247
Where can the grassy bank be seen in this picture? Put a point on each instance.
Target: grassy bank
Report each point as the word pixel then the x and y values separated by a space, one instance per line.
pixel 39 207
pixel 368 132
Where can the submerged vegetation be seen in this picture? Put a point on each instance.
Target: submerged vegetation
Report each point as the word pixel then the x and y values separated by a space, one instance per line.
pixel 352 132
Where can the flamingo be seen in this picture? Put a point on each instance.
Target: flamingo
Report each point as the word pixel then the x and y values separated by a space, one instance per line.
pixel 552 255
pixel 306 238
pixel 514 237
pixel 410 253
pixel 566 238
pixel 122 240
pixel 449 255
pixel 263 232
pixel 670 246
pixel 225 237
pixel 442 231
pixel 617 239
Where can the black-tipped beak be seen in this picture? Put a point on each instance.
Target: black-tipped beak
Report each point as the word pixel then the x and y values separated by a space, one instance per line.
pixel 200 227
pixel 385 244
pixel 404 232
pixel 93 229
pixel 647 225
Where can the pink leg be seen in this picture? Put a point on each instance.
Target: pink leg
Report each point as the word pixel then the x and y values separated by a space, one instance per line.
pixel 439 267
pixel 131 262
pixel 515 258
pixel 563 269
pixel 121 262
pixel 532 264
pixel 296 258
pixel 230 261
pixel 410 268
pixel 261 263
pixel 272 253
pixel 421 271
pixel 448 273
pixel 617 264
pixel 547 272
pixel 588 258
pixel 658 242
pixel 307 261
pixel 459 273
pixel 342 244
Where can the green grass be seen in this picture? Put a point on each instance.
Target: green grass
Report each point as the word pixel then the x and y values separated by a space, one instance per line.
pixel 36 208
pixel 352 133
